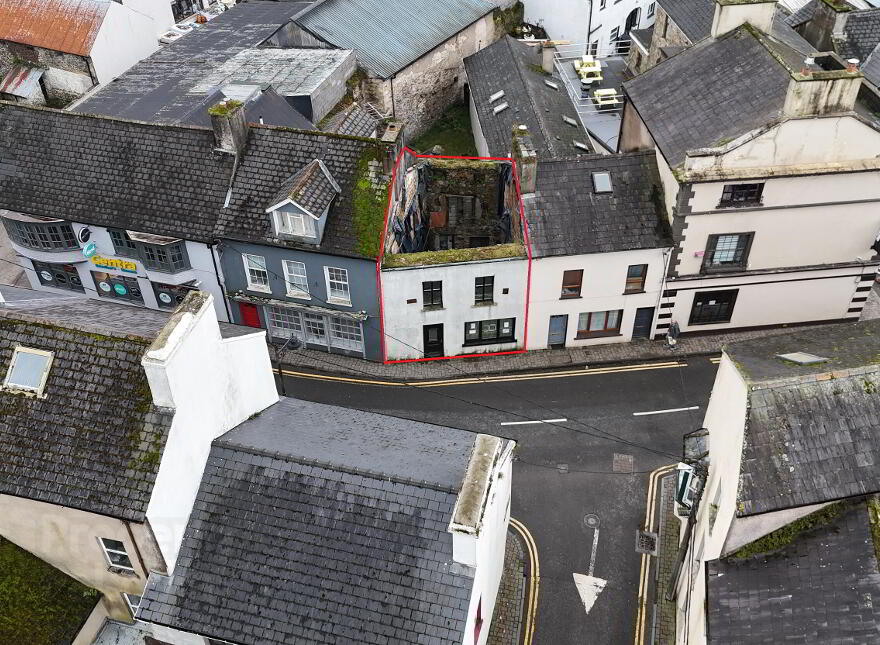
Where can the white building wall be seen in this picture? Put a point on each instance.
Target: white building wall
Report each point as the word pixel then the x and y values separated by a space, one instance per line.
pixel 477 129
pixel 213 384
pixel 602 289
pixel 125 37
pixel 404 321
pixel 159 11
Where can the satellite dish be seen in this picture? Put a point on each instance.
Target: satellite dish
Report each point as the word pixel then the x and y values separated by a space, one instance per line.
pixel 84 235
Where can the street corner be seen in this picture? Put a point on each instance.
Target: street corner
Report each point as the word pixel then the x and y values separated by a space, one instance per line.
pixel 513 622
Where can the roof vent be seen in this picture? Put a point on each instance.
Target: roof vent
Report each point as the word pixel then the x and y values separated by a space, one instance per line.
pixel 569 120
pixel 602 182
pixel 582 146
pixel 500 107
pixel 802 358
pixel 496 96
pixel 551 84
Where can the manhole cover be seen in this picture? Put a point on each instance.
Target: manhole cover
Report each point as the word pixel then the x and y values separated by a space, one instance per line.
pixel 562 468
pixel 646 542
pixel 622 463
pixel 591 521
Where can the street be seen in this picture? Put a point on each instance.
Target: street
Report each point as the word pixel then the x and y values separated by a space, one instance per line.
pixel 567 469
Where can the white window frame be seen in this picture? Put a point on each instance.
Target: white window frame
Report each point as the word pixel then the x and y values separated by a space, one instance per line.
pixel 24 389
pixel 132 608
pixel 252 286
pixel 297 224
pixel 334 299
pixel 107 551
pixel 297 285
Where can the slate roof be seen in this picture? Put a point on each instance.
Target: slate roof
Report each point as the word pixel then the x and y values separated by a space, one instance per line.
pixel 264 104
pixel 567 217
pixel 643 36
pixel 802 15
pixel 693 17
pixel 69 26
pixel 295 535
pixel 388 35
pixel 717 90
pixel 515 68
pixel 353 120
pixel 311 187
pixel 862 31
pixel 159 88
pixel 824 587
pixel 93 443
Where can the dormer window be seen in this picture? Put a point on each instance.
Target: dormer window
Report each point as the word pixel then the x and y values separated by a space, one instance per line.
pixel 28 371
pixel 295 224
pixel 300 206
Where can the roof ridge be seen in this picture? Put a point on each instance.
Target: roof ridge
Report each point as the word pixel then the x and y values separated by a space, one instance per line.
pixel 11 313
pixel 305 461
pixel 539 117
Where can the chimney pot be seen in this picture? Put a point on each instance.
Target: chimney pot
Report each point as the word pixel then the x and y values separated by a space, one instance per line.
pixel 230 126
pixel 852 64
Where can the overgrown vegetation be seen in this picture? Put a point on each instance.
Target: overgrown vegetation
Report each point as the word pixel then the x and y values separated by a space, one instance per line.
pixel 783 537
pixel 507 21
pixel 450 256
pixel 368 205
pixel 452 132
pixel 225 108
pixel 352 86
pixel 39 605
pixel 873 502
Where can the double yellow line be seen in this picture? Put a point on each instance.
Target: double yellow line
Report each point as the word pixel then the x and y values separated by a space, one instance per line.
pixel 531 608
pixel 490 379
pixel 641 616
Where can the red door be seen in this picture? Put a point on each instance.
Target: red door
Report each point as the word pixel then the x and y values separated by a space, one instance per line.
pixel 250 315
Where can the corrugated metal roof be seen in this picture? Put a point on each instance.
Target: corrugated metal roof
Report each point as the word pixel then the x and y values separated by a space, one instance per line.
pixel 21 81
pixel 388 35
pixel 69 26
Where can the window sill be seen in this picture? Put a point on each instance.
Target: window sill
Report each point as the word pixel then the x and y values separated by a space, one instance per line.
pixel 299 295
pixel 597 334
pixel 493 341
pixel 633 292
pixel 433 308
pixel 577 297
pixel 339 301
pixel 259 289
pixel 739 204
pixel 726 269
pixel 710 322
pixel 485 303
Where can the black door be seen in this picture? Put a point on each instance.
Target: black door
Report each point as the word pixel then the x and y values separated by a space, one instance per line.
pixel 433 335
pixel 642 326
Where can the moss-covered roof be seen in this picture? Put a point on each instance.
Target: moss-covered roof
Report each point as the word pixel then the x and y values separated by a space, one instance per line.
pixel 39 605
pixel 452 256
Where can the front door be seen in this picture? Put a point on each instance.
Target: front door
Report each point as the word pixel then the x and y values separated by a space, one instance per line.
pixel 433 335
pixel 250 315
pixel 642 325
pixel 558 327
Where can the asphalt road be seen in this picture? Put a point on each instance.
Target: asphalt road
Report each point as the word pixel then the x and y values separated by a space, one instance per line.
pixel 564 471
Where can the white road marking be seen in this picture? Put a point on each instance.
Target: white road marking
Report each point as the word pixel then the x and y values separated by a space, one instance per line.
pixel 642 414
pixel 589 589
pixel 593 552
pixel 525 423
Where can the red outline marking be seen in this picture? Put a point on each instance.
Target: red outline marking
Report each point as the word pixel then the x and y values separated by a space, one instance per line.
pixel 526 241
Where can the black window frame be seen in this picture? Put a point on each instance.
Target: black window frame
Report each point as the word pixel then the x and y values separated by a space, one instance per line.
pixel 53 237
pixel 701 317
pixel 642 278
pixel 573 292
pixel 484 289
pixel 123 245
pixel 432 293
pixel 165 258
pixel 484 334
pixel 70 282
pixel 740 253
pixel 738 195
pixel 652 8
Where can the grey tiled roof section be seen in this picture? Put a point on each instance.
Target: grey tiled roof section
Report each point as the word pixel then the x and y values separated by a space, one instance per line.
pixel 93 443
pixel 693 17
pixel 802 15
pixel 364 442
pixel 822 588
pixel 862 41
pixel 108 172
pixel 567 218
pixel 513 67
pixel 310 187
pixel 278 552
pixel 388 35
pixel 847 346
pixel 786 35
pixel 644 36
pixel 158 88
pixel 715 91
pixel 272 156
pixel 267 106
pixel 353 120
pixel 810 442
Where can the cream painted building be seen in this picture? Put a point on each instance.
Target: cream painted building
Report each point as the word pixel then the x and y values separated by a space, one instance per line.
pixel 110 412
pixel 791 432
pixel 770 175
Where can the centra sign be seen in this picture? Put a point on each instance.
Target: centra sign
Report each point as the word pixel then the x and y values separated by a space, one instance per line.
pixel 113 263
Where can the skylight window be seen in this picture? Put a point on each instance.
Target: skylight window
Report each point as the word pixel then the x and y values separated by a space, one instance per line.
pixel 802 358
pixel 28 370
pixel 551 84
pixel 569 120
pixel 496 96
pixel 500 107
pixel 602 182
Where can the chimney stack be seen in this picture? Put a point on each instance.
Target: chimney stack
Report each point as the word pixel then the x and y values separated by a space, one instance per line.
pixel 547 53
pixel 230 126
pixel 730 14
pixel 824 85
pixel 526 158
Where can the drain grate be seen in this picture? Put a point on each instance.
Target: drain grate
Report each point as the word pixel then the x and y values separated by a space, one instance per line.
pixel 562 468
pixel 646 542
pixel 622 463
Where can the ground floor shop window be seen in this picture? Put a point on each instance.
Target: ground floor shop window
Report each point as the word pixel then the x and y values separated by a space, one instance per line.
pixel 118 287
pixel 315 328
pixel 599 323
pixel 486 332
pixel 60 276
pixel 168 296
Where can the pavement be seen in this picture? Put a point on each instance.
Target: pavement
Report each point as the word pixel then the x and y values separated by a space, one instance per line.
pixel 507 618
pixel 615 426
pixel 664 612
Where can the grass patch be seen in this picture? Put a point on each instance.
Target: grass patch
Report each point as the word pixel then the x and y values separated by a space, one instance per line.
pixel 39 605
pixel 782 537
pixel 450 256
pixel 452 131
pixel 368 206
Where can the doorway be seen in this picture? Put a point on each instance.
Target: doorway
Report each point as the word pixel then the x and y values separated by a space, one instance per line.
pixel 556 335
pixel 642 325
pixel 433 338
pixel 632 21
pixel 250 315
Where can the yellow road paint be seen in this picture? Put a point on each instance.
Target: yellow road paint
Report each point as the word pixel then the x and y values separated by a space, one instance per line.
pixel 534 580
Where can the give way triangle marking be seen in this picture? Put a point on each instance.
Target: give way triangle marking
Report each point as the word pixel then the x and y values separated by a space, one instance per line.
pixel 589 587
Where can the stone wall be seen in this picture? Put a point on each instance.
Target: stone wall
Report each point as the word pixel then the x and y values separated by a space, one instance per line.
pixel 67 76
pixel 666 34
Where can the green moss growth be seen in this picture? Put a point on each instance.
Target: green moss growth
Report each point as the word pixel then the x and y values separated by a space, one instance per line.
pixel 838 5
pixel 225 108
pixel 869 386
pixel 452 132
pixel 368 205
pixel 539 70
pixel 509 21
pixel 352 85
pixel 782 537
pixel 39 605
pixel 873 502
pixel 451 256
